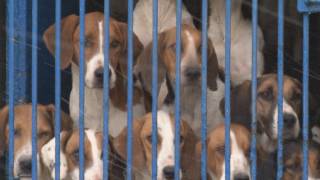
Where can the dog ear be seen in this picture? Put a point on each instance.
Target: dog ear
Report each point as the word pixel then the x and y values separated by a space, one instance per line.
pixel 66 121
pixel 120 145
pixel 143 67
pixel 189 153
pixel 240 103
pixel 68 27
pixel 48 153
pixel 4 114
pixel 213 68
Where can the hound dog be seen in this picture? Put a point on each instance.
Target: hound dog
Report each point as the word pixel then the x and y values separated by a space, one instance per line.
pixel 94 68
pixel 93 155
pixel 142 147
pixel 240 150
pixel 23 136
pixel 267 109
pixel 143 23
pixel 241 40
pixel 191 64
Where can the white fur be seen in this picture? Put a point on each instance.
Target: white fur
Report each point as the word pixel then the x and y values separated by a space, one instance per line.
pixel 239 164
pixel 142 18
pixel 94 172
pixel 241 40
pixel 94 96
pixel 288 110
pixel 316 134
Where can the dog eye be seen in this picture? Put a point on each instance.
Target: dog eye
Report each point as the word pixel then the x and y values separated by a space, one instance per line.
pixel 43 135
pixel 173 47
pixel 75 156
pixel 17 133
pixel 181 139
pixel 221 150
pixel 267 95
pixel 296 97
pixel 114 44
pixel 88 43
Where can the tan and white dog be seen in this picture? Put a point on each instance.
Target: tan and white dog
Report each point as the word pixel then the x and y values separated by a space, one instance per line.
pixel 239 158
pixel 241 40
pixel 142 146
pixel 23 136
pixel 191 63
pixel 94 68
pixel 267 109
pixel 142 18
pixel 93 155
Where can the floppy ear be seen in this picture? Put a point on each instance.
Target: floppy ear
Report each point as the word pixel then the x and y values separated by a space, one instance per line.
pixel 48 153
pixel 213 70
pixel 191 170
pixel 240 104
pixel 120 145
pixel 4 113
pixel 143 67
pixel 66 121
pixel 68 27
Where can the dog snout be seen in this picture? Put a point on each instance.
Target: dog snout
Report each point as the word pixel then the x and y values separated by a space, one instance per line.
pixel 98 73
pixel 193 73
pixel 25 166
pixel 241 176
pixel 168 172
pixel 289 120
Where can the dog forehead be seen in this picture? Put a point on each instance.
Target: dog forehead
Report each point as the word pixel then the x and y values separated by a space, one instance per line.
pixel 72 143
pixel 217 137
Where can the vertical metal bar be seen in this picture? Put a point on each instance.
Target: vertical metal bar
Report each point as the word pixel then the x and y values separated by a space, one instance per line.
pixel 305 93
pixel 204 47
pixel 130 88
pixel 227 88
pixel 81 90
pixel 154 88
pixel 280 88
pixel 10 61
pixel 253 152
pixel 57 88
pixel 177 92
pixel 106 91
pixel 34 86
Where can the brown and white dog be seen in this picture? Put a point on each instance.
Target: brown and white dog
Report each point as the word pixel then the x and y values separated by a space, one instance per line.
pixel 293 160
pixel 241 40
pixel 142 18
pixel 267 109
pixel 23 136
pixel 191 63
pixel 142 146
pixel 239 158
pixel 94 68
pixel 69 155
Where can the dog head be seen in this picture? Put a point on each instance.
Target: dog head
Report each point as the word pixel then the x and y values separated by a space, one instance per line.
pixel 267 107
pixel 23 134
pixel 142 146
pixel 94 47
pixel 239 159
pixel 190 59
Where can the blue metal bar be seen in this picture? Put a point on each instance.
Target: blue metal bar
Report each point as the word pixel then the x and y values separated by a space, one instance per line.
pixel 227 88
pixel 57 87
pixel 305 93
pixel 177 92
pixel 253 152
pixel 81 90
pixel 130 88
pixel 204 47
pixel 11 76
pixel 34 86
pixel 280 88
pixel 154 89
pixel 106 91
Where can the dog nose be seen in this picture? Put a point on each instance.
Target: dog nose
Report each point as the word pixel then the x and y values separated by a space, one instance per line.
pixel 99 73
pixel 241 176
pixel 289 120
pixel 193 73
pixel 168 172
pixel 26 166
